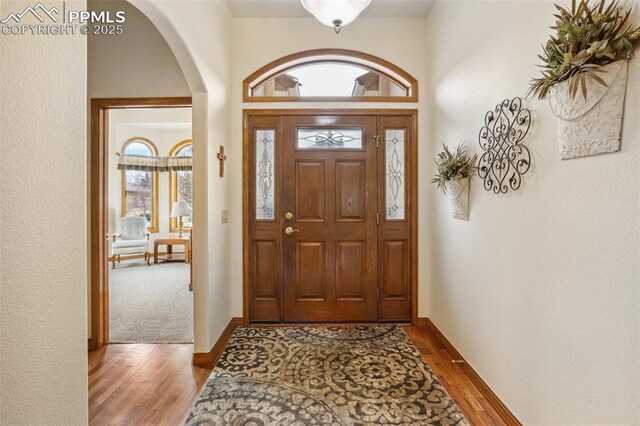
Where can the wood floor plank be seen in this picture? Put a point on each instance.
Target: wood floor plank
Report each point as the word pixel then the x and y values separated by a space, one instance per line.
pixel 143 384
pixel 155 384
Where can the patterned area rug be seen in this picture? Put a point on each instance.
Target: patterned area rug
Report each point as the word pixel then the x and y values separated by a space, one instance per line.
pixel 323 376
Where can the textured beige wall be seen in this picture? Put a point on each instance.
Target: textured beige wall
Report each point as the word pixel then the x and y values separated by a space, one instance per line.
pixel 138 63
pixel 43 345
pixel 539 290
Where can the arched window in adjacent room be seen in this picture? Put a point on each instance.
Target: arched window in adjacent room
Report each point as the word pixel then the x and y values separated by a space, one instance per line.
pixel 181 183
pixel 140 188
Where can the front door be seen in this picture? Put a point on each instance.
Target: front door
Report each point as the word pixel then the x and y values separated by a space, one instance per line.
pixel 329 219
pixel 330 205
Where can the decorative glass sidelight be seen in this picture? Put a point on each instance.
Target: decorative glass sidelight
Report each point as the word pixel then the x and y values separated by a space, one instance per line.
pixel 395 173
pixel 265 174
pixel 322 138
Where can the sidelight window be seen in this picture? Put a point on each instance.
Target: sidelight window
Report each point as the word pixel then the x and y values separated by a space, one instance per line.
pixel 265 174
pixel 395 174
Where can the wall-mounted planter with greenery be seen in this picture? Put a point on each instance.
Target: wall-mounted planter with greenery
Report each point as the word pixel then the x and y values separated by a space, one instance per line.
pixel 585 73
pixel 591 125
pixel 453 176
pixel 458 194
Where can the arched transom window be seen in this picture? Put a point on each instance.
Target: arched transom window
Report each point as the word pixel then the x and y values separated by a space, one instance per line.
pixel 330 75
pixel 139 188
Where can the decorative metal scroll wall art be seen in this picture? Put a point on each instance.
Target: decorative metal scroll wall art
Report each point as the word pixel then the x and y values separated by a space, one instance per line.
pixel 505 159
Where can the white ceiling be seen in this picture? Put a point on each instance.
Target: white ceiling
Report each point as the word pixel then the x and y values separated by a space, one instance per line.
pixel 294 9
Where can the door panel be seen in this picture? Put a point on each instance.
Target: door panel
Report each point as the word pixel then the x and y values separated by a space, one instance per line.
pixel 395 281
pixel 333 198
pixel 351 277
pixel 395 262
pixel 350 191
pixel 265 257
pixel 310 191
pixel 310 282
pixel 262 221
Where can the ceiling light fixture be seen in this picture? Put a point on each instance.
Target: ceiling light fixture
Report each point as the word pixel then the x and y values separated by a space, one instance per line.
pixel 335 13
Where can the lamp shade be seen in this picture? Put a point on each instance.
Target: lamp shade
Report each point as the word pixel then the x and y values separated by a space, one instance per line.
pixel 335 13
pixel 180 209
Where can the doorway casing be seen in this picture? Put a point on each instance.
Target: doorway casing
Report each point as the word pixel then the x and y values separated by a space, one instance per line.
pixel 98 196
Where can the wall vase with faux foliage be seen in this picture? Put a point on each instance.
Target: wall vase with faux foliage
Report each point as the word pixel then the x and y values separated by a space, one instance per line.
pixel 457 191
pixel 591 125
pixel 585 76
pixel 453 176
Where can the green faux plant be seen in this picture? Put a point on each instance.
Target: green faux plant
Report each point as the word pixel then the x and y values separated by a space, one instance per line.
pixel 587 38
pixel 453 165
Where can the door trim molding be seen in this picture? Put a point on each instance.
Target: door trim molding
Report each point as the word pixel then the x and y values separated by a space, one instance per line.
pixel 246 202
pixel 99 203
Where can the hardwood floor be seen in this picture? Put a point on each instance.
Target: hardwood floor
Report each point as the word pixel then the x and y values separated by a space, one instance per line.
pixel 156 384
pixel 143 384
pixel 474 406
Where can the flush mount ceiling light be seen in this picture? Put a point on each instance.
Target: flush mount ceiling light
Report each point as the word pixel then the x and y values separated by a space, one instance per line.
pixel 335 13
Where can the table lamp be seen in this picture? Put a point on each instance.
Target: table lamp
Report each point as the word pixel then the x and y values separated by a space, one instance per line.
pixel 179 210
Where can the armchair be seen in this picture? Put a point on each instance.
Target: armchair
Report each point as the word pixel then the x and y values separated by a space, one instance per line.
pixel 131 237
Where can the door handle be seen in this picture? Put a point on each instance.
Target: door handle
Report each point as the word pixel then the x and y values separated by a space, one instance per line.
pixel 289 230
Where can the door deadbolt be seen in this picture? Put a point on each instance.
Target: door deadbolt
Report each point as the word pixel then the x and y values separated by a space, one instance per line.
pixel 288 216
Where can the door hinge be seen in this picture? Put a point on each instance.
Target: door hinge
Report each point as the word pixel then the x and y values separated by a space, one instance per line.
pixel 377 141
pixel 378 295
pixel 377 218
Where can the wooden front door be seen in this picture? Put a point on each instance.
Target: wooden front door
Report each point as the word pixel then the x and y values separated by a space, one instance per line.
pixel 328 217
pixel 330 195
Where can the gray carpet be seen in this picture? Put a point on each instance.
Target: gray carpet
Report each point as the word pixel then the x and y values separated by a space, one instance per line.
pixel 150 304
